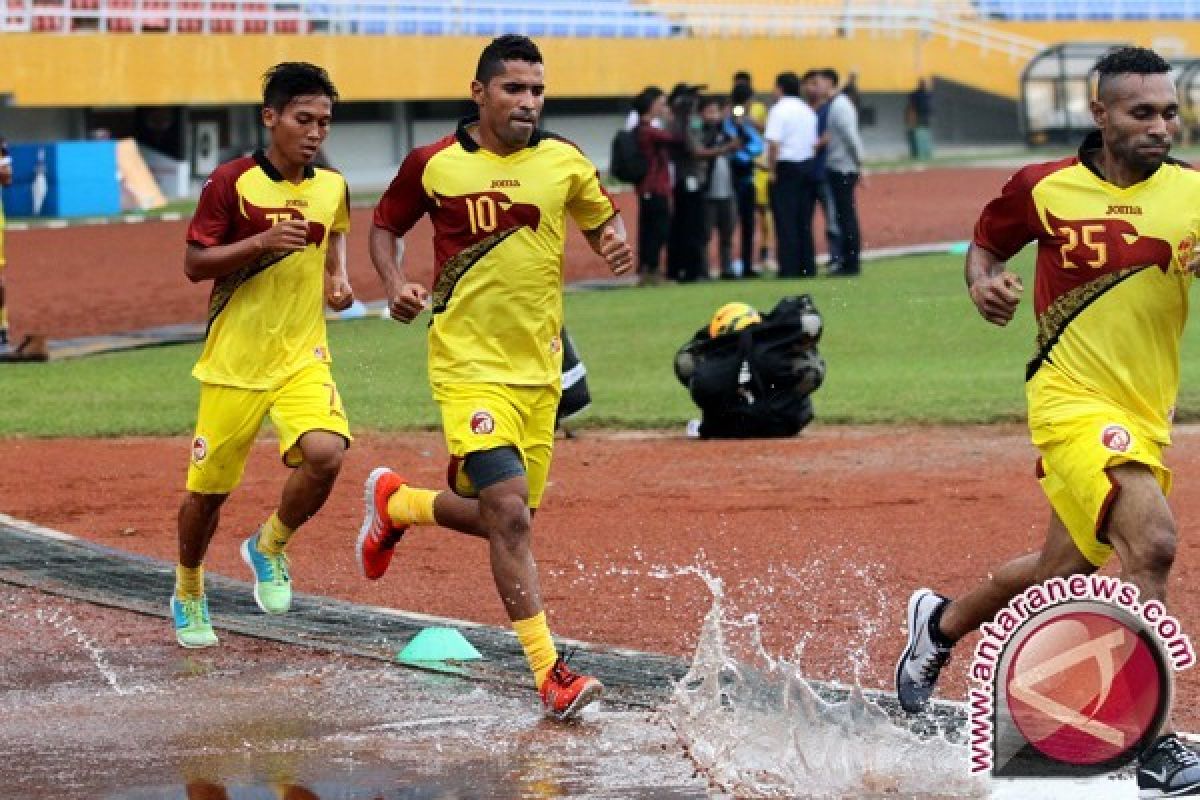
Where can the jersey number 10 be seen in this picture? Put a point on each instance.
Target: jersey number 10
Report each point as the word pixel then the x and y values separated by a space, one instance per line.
pixel 481 211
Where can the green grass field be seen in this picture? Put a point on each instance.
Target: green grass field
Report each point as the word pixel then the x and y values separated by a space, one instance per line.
pixel 903 344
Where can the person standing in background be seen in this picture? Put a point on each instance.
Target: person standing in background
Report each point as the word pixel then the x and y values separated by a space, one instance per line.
pixel 744 164
pixel 686 257
pixel 655 140
pixel 916 119
pixel 6 175
pixel 843 171
pixel 720 208
pixel 791 146
pixel 815 94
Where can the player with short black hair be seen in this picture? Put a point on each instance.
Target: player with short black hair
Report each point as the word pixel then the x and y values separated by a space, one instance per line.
pixel 497 191
pixel 269 232
pixel 1115 260
pixel 510 47
pixel 284 82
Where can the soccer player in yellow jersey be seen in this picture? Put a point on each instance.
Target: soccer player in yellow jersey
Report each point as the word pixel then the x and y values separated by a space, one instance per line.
pixel 1116 229
pixel 6 176
pixel 498 191
pixel 269 232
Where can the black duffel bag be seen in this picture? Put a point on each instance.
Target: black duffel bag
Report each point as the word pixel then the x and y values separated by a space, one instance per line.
pixel 756 382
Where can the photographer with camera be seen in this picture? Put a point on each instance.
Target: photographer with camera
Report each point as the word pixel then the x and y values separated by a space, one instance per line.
pixel 6 176
pixel 744 165
pixel 686 259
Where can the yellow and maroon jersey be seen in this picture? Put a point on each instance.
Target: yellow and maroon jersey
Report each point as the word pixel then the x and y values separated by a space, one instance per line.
pixel 499 237
pixel 1111 286
pixel 267 320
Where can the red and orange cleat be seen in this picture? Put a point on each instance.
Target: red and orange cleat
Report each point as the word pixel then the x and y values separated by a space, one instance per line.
pixel 565 693
pixel 378 536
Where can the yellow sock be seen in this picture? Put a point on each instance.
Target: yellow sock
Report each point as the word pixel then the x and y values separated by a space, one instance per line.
pixel 534 636
pixel 189 581
pixel 409 506
pixel 273 536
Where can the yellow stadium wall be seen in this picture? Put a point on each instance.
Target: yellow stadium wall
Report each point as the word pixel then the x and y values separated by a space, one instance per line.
pixel 41 70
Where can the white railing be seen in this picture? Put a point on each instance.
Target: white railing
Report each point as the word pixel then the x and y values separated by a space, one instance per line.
pixel 956 20
pixel 950 19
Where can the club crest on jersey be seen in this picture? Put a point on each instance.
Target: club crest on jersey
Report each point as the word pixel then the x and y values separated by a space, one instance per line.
pixel 1116 438
pixel 482 423
pixel 321 353
pixel 199 449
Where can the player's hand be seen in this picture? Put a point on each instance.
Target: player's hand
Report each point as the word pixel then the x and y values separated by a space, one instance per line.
pixel 287 236
pixel 407 302
pixel 1193 265
pixel 338 292
pixel 863 183
pixel 616 251
pixel 997 296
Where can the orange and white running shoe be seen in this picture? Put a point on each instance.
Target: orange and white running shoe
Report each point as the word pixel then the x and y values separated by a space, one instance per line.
pixel 378 536
pixel 565 692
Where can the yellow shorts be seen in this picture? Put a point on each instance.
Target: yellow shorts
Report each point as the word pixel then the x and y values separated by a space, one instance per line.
pixel 1080 437
pixel 229 420
pixel 762 197
pixel 484 416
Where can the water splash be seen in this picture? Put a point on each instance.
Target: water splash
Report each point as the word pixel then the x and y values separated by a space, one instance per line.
pixel 757 728
pixel 65 624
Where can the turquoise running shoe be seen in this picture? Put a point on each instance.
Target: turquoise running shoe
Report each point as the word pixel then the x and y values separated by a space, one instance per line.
pixel 272 583
pixel 192 626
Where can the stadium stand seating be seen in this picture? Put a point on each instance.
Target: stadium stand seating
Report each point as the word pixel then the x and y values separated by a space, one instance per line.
pixel 596 18
pixel 1045 10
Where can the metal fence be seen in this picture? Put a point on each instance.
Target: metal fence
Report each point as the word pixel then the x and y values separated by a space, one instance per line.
pixel 958 20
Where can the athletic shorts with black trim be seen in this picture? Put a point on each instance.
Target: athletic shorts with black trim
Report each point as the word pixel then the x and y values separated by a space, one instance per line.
pixel 485 416
pixel 1080 435
pixel 229 420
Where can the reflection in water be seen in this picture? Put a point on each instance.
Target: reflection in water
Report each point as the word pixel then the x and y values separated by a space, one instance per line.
pixel 201 789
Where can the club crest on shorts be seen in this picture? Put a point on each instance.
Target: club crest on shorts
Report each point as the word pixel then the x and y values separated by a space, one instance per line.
pixel 199 449
pixel 482 423
pixel 555 346
pixel 1116 438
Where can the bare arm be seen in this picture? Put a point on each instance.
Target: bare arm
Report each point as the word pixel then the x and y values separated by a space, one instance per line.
pixel 5 171
pixel 772 157
pixel 608 242
pixel 405 299
pixel 338 292
pixel 211 263
pixel 994 290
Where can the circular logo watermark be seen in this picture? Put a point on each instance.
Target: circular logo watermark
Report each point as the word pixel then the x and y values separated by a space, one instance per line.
pixel 1087 686
pixel 1074 677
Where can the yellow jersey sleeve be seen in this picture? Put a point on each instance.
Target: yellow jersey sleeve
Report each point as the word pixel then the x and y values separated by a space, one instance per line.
pixel 587 202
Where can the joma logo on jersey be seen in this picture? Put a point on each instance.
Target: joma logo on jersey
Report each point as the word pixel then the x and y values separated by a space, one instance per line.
pixel 506 183
pixel 296 202
pixel 1129 210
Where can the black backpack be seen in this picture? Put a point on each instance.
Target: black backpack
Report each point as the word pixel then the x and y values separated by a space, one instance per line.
pixel 756 382
pixel 627 162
